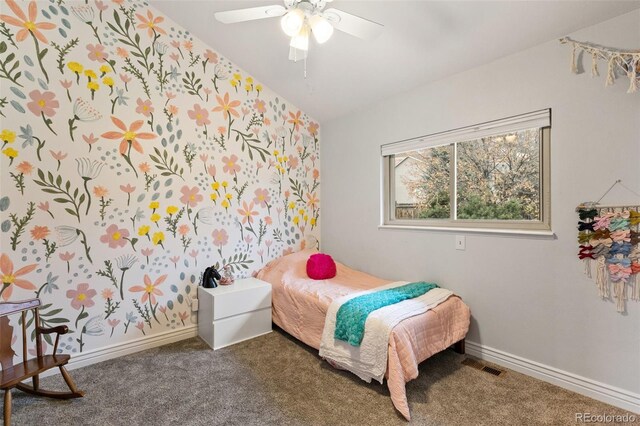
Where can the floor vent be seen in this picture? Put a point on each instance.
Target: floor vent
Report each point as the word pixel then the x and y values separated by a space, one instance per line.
pixel 480 366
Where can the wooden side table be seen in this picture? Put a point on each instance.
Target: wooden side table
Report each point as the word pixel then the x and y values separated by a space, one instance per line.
pixel 233 313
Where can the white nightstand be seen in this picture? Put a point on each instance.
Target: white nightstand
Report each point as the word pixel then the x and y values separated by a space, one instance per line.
pixel 229 314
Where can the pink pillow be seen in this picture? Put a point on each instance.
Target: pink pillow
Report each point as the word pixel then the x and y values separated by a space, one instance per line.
pixel 321 266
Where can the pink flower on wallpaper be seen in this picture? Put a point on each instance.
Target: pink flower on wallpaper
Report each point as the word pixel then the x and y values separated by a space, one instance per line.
pixel 313 128
pixel 150 289
pixel 204 157
pixel 9 276
pixel 259 105
pixel 295 120
pixel 44 206
pixel 231 165
pixel 188 45
pixel 173 110
pixel 183 229
pixel 113 322
pixel 247 212
pixel 150 23
pixel 194 253
pixel 262 197
pixel 127 189
pixel 211 56
pixel 125 78
pixel 190 196
pixel 66 84
pixel 144 107
pixel 43 103
pixel 97 53
pixel 144 167
pixel 107 293
pixel 25 168
pixel 27 25
pixel 170 95
pixel 226 106
pixel 316 174
pixel 58 155
pixel 212 171
pixel 200 115
pixel 82 296
pixel 147 252
pixel 293 163
pixel 101 5
pixel 268 220
pixel 220 237
pixel 312 200
pixel 90 139
pixel 66 256
pixel 115 237
pixel 123 53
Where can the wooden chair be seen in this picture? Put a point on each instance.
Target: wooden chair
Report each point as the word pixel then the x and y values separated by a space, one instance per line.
pixel 11 376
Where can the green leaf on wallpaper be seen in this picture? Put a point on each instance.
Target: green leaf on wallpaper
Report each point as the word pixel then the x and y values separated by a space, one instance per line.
pixel 182 275
pixel 170 304
pixel 186 263
pixel 169 194
pixel 61 200
pixel 29 76
pixel 156 185
pixel 174 288
pixel 176 148
pixel 179 133
pixel 168 182
pixel 17 106
pixel 4 203
pixel 141 197
pixel 28 60
pixel 66 23
pixel 172 138
pixel 62 32
pixel 43 53
pixel 159 130
pixel 155 197
pixel 43 84
pixel 170 127
pixel 6 226
pixel 180 298
pixel 64 10
pixel 187 289
pixel 18 93
pixel 164 142
pixel 53 9
pixel 45 14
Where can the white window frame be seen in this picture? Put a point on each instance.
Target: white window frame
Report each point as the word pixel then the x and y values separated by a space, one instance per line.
pixel 538 119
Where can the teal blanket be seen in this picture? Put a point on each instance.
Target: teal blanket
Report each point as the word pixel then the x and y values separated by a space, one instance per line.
pixel 353 314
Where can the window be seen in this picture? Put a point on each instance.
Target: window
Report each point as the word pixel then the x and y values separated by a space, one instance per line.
pixel 493 175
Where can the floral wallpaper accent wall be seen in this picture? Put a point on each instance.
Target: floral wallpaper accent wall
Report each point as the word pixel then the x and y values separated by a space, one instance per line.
pixel 132 157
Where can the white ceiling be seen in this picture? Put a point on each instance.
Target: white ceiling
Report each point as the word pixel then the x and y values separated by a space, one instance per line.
pixel 423 41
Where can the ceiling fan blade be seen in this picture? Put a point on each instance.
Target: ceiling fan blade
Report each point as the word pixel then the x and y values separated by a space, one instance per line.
pixel 251 14
pixel 352 24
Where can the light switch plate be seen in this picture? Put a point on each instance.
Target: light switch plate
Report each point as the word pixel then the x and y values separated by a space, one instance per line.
pixel 461 243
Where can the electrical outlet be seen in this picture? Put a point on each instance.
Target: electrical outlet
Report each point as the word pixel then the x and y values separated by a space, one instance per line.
pixel 461 242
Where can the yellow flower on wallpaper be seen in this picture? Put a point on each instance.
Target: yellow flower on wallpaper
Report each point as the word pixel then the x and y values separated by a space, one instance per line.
pixel 225 204
pixel 93 86
pixel 10 152
pixel 105 69
pixel 213 196
pixel 155 218
pixel 228 196
pixel 90 73
pixel 296 220
pixel 215 186
pixel 7 136
pixel 158 237
pixel 108 81
pixel 154 205
pixel 172 210
pixel 75 67
pixel 144 230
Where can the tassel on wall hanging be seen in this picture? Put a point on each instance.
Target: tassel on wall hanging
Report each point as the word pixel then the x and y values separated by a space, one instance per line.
pixel 625 62
pixel 609 236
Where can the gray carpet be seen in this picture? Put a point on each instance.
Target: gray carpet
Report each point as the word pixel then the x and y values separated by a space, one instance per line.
pixel 275 380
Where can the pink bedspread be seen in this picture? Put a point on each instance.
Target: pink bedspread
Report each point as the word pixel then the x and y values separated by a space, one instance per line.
pixel 300 305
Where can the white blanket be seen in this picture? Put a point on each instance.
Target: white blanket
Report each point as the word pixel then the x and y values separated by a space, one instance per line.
pixel 369 360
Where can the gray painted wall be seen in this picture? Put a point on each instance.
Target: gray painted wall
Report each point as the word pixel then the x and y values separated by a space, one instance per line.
pixel 528 296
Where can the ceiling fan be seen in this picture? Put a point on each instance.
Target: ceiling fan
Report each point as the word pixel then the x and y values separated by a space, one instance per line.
pixel 301 18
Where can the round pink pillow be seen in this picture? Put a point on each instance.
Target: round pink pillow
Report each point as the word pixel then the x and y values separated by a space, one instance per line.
pixel 321 266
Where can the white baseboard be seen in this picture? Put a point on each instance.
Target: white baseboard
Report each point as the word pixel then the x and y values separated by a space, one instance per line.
pixel 130 346
pixel 602 392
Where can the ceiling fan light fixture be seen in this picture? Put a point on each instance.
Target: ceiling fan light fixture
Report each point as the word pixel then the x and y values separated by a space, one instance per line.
pixel 321 28
pixel 301 40
pixel 292 22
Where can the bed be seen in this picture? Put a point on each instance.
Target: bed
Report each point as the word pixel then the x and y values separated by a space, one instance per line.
pixel 300 305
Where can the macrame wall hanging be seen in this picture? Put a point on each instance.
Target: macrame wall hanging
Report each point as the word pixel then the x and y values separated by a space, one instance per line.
pixel 609 236
pixel 624 62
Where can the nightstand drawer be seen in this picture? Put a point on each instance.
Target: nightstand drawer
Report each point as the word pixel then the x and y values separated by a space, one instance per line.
pixel 241 301
pixel 235 329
